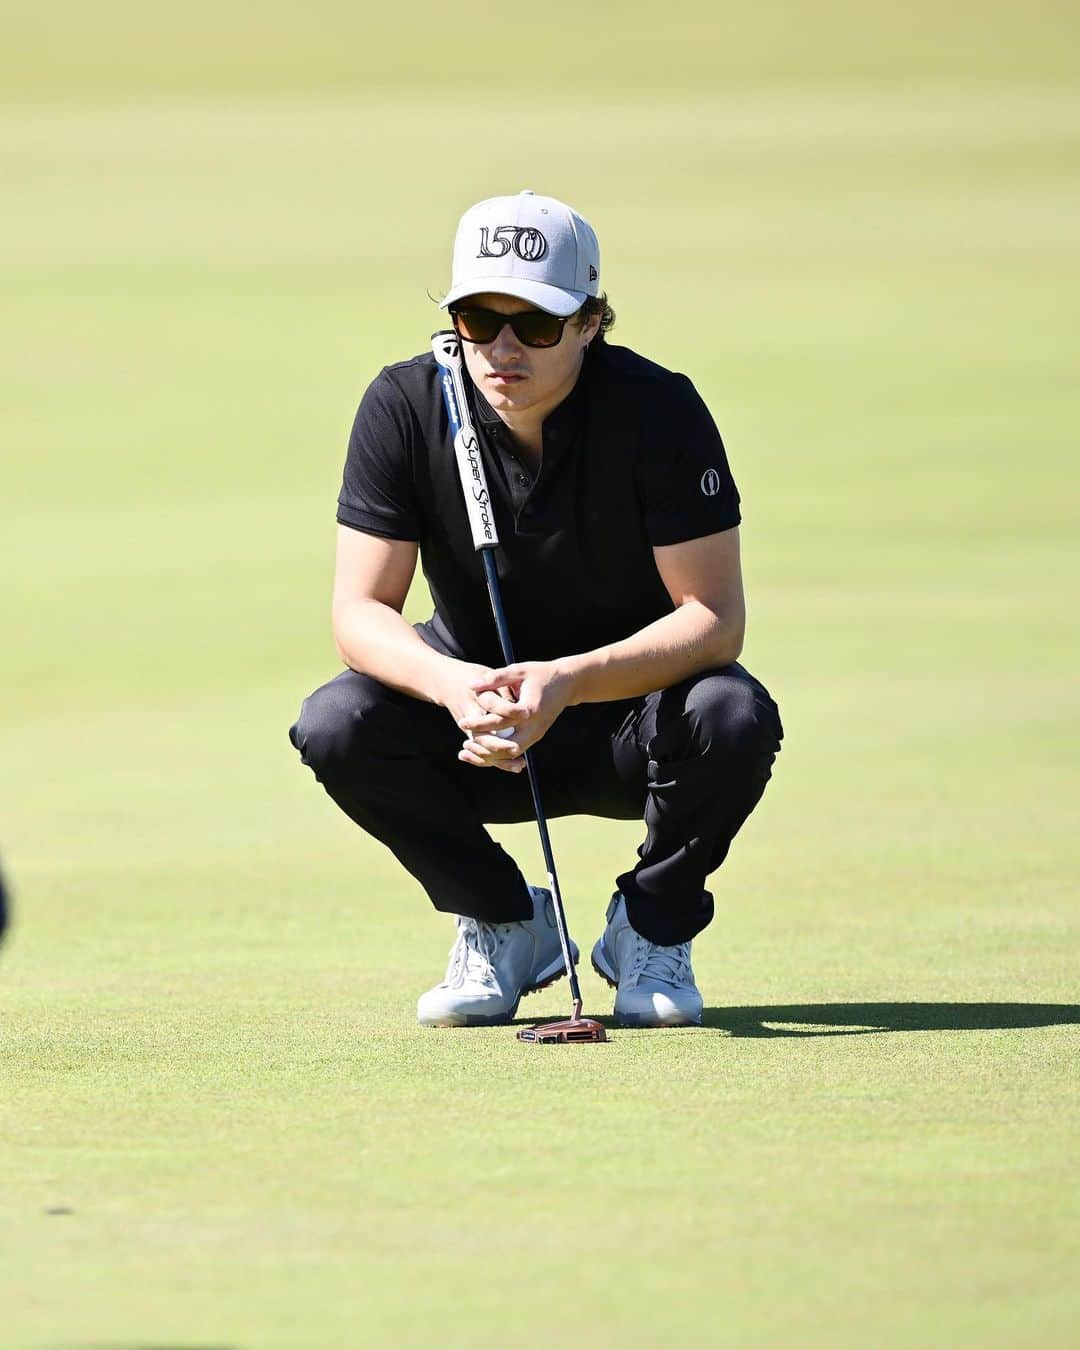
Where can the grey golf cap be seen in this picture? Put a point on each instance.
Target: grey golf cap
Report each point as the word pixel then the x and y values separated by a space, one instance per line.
pixel 535 248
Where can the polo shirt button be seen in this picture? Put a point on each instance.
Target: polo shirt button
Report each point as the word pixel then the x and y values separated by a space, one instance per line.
pixel 523 480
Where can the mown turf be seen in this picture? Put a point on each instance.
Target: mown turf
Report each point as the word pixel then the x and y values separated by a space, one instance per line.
pixel 220 1123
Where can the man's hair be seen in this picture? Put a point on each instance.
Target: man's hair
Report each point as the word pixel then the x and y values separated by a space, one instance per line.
pixel 596 306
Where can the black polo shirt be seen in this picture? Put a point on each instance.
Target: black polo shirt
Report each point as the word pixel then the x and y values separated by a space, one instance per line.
pixel 632 459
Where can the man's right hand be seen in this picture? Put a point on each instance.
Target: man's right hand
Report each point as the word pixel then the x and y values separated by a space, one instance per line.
pixel 485 718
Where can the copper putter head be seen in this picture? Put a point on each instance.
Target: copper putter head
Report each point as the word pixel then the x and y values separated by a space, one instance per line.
pixel 570 1031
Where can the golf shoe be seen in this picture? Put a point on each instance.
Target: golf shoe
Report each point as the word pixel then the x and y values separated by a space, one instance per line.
pixel 655 985
pixel 493 965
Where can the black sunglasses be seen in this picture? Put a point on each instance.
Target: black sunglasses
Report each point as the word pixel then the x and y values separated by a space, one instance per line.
pixel 532 327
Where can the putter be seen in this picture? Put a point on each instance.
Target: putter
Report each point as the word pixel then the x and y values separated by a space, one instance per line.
pixel 447 350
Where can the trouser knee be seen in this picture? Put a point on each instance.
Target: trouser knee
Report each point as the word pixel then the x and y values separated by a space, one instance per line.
pixel 721 718
pixel 339 725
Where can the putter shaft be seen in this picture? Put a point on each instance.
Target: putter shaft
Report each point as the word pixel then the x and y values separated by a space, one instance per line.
pixel 492 578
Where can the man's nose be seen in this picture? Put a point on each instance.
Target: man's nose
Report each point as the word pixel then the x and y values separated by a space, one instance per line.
pixel 506 346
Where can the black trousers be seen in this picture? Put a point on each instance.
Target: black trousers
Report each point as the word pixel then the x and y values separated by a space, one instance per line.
pixel 691 761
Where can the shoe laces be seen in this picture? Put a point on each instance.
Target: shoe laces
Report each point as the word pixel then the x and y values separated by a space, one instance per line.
pixel 670 965
pixel 473 955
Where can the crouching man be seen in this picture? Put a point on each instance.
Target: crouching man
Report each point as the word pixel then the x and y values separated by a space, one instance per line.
pixel 618 520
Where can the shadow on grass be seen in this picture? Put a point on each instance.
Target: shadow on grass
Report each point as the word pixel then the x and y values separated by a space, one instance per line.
pixel 869 1019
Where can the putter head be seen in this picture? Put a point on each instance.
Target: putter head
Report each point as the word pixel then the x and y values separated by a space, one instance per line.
pixel 573 1030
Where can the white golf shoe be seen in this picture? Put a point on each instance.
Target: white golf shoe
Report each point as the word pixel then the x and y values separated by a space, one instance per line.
pixel 493 965
pixel 655 984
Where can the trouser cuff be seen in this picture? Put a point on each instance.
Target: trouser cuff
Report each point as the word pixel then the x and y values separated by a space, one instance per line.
pixel 662 921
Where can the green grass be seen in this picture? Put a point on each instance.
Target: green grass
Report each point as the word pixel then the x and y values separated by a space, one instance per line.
pixel 219 1122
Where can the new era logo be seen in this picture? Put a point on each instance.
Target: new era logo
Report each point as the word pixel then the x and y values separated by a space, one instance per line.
pixel 593 273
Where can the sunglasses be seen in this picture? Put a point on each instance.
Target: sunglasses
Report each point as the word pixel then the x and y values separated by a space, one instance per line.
pixel 532 327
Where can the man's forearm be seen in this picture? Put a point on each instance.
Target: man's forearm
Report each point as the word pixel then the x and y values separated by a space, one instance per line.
pixel 690 639
pixel 375 640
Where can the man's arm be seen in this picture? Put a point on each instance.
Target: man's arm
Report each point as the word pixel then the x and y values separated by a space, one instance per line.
pixel 371 580
pixel 705 630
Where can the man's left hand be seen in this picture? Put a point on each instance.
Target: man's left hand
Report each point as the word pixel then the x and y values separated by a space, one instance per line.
pixel 541 690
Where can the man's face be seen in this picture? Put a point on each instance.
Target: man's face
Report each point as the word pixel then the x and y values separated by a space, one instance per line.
pixel 513 377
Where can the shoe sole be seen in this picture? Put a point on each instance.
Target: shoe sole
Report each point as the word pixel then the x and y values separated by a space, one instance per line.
pixel 546 980
pixel 642 1022
pixel 637 1020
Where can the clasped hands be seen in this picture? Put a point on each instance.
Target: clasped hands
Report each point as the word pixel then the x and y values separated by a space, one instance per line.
pixel 503 713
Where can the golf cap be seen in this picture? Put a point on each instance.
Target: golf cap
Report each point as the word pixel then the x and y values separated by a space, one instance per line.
pixel 535 248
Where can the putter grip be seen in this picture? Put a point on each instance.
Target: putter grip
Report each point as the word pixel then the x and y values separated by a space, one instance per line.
pixel 474 488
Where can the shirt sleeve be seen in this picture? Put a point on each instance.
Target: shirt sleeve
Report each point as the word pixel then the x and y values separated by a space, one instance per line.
pixel 685 483
pixel 378 491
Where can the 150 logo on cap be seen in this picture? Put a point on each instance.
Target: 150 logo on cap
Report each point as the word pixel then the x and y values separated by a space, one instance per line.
pixel 528 243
